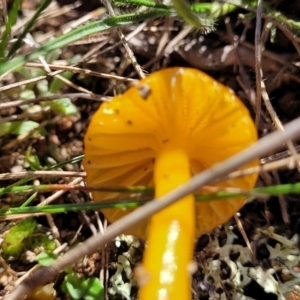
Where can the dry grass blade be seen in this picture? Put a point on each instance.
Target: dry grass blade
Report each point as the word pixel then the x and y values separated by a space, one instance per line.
pixel 129 52
pixel 53 97
pixel 80 71
pixel 261 91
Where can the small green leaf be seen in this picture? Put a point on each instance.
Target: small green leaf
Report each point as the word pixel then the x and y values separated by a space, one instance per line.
pixel 72 286
pixel 94 289
pixel 63 106
pixel 17 127
pixel 22 127
pixel 56 83
pixel 13 242
pixel 12 64
pixel 82 288
pixel 27 95
pixel 43 88
pixel 46 259
pixel 184 10
pixel 32 160
pixel 51 56
pixel 5 128
pixel 40 241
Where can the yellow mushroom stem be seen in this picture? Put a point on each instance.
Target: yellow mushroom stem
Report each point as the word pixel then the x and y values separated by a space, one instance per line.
pixel 171 233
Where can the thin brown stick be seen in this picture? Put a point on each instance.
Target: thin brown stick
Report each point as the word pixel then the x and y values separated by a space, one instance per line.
pixel 170 47
pixel 163 42
pixel 243 233
pixel 4 11
pixel 288 163
pixel 25 82
pixel 54 230
pixel 282 201
pixel 258 72
pixel 261 91
pixel 83 214
pixel 243 79
pixel 130 54
pixel 21 216
pixel 77 70
pixel 288 33
pixel 53 10
pixel 53 97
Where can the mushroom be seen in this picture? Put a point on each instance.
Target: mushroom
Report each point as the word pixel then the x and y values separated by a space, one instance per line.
pixel 175 123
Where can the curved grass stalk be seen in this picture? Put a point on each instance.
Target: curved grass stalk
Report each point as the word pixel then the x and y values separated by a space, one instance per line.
pixel 11 19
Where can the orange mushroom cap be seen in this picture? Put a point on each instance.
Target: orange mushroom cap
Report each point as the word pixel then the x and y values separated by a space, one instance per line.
pixel 176 106
pixel 175 123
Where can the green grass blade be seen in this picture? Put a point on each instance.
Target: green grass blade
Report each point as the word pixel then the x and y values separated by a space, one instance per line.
pixel 63 208
pixel 214 9
pixel 184 10
pixel 132 203
pixel 40 9
pixel 146 3
pixel 276 190
pixel 12 17
pixel 66 187
pixel 71 161
pixel 29 200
